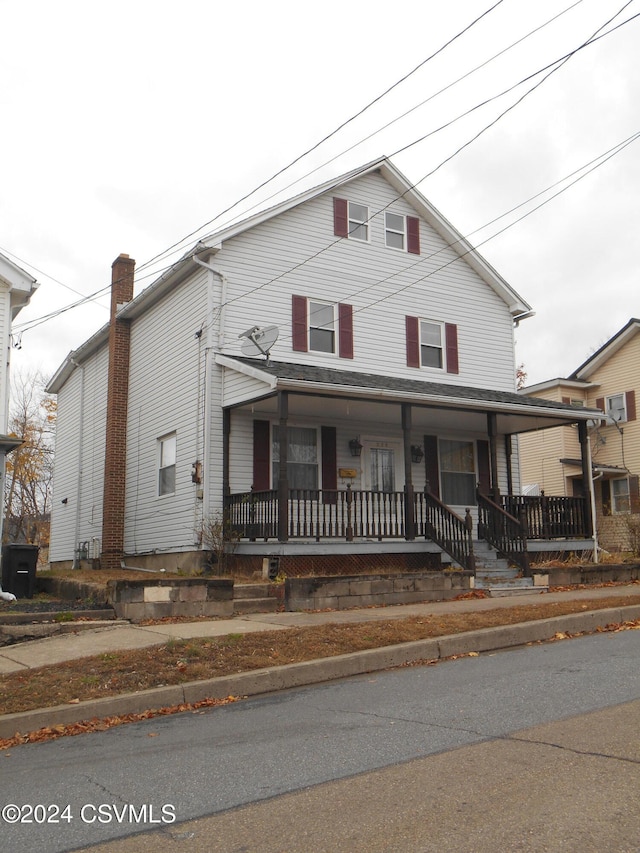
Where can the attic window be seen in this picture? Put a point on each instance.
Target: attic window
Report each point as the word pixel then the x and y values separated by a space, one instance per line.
pixel 350 220
pixel 358 222
pixel 402 232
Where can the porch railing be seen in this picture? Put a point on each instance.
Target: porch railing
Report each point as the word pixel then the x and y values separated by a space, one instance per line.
pixel 506 533
pixel 549 517
pixel 450 532
pixel 319 514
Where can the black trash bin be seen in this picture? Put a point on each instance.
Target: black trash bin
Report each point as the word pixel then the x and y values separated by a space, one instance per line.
pixel 19 569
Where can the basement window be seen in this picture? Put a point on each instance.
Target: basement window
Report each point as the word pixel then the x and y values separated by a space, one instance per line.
pixel 167 465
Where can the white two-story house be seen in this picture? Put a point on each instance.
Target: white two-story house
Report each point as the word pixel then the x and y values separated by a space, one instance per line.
pixel 335 376
pixel 16 289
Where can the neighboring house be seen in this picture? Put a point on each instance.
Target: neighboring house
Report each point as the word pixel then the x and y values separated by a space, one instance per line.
pixel 16 289
pixel 608 380
pixel 360 434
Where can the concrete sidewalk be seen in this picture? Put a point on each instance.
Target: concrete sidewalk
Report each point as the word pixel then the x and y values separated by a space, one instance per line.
pixel 112 638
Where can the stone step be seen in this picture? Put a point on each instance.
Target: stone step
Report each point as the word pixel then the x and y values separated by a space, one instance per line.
pixel 251 590
pixel 497 586
pixel 255 605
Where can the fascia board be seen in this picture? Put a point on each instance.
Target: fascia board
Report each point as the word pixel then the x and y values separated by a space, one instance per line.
pixel 455 240
pixel 247 370
pixel 608 350
pixel 468 404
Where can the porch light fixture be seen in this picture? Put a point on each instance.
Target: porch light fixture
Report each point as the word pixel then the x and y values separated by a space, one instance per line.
pixel 417 453
pixel 355 448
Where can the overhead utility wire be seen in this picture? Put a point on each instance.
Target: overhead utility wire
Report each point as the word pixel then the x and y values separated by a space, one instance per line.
pixel 398 118
pixel 328 136
pixel 562 60
pixel 32 324
pixel 594 164
pixel 559 63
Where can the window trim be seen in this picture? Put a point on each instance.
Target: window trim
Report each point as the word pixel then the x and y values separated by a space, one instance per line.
pixel 615 498
pixel 335 331
pixel 353 224
pixel 274 427
pixel 442 348
pixel 623 409
pixel 389 230
pixel 162 441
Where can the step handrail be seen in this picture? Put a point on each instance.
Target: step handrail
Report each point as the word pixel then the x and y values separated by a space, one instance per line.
pixel 450 532
pixel 506 533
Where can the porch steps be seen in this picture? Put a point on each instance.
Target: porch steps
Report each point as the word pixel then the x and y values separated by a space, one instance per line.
pixel 254 598
pixel 488 562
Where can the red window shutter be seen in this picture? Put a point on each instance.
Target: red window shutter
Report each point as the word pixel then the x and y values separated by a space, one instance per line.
pixel 345 331
pixel 299 323
pixel 451 338
pixel 484 467
pixel 329 463
pixel 340 217
pixel 431 464
pixel 605 491
pixel 630 402
pixel 261 455
pixel 413 235
pixel 413 341
pixel 566 401
pixel 600 403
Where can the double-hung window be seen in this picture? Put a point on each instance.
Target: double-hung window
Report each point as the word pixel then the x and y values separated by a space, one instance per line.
pixel 620 495
pixel 167 464
pixel 457 472
pixel 358 221
pixel 322 326
pixel 431 344
pixel 395 231
pixel 302 457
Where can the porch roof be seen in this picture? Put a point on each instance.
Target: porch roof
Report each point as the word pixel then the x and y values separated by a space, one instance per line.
pixel 516 413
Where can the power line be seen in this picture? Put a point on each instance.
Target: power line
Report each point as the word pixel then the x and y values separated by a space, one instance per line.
pixel 327 136
pixel 554 66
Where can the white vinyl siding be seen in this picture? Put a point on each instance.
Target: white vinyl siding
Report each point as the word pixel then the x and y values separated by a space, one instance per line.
pixel 79 460
pixel 296 253
pixel 166 394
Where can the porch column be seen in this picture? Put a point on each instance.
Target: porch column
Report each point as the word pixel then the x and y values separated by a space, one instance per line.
pixel 492 429
pixel 585 455
pixel 409 513
pixel 508 447
pixel 283 478
pixel 226 430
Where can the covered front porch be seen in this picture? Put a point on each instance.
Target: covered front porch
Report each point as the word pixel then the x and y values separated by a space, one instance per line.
pixel 340 456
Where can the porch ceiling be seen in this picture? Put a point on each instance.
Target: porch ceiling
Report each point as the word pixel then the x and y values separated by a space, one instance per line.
pixel 320 393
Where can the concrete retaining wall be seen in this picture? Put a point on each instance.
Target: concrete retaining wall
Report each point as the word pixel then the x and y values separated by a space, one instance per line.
pixel 146 599
pixel 568 575
pixel 341 593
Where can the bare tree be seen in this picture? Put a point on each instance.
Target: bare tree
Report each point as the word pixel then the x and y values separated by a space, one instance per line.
pixel 29 468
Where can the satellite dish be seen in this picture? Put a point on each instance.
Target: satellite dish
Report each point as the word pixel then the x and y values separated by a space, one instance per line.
pixel 259 341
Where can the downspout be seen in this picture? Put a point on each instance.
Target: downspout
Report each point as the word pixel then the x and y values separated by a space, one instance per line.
pixel 206 480
pixel 592 498
pixel 76 538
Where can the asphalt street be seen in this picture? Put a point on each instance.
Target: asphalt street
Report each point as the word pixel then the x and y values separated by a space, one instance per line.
pixel 468 718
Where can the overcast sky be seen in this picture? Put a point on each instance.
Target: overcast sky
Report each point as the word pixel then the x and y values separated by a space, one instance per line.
pixel 131 124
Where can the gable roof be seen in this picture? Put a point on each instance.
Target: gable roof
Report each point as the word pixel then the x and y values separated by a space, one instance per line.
pixel 518 308
pixel 607 350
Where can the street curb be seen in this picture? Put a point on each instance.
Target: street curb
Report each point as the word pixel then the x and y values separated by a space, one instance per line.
pixel 317 671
